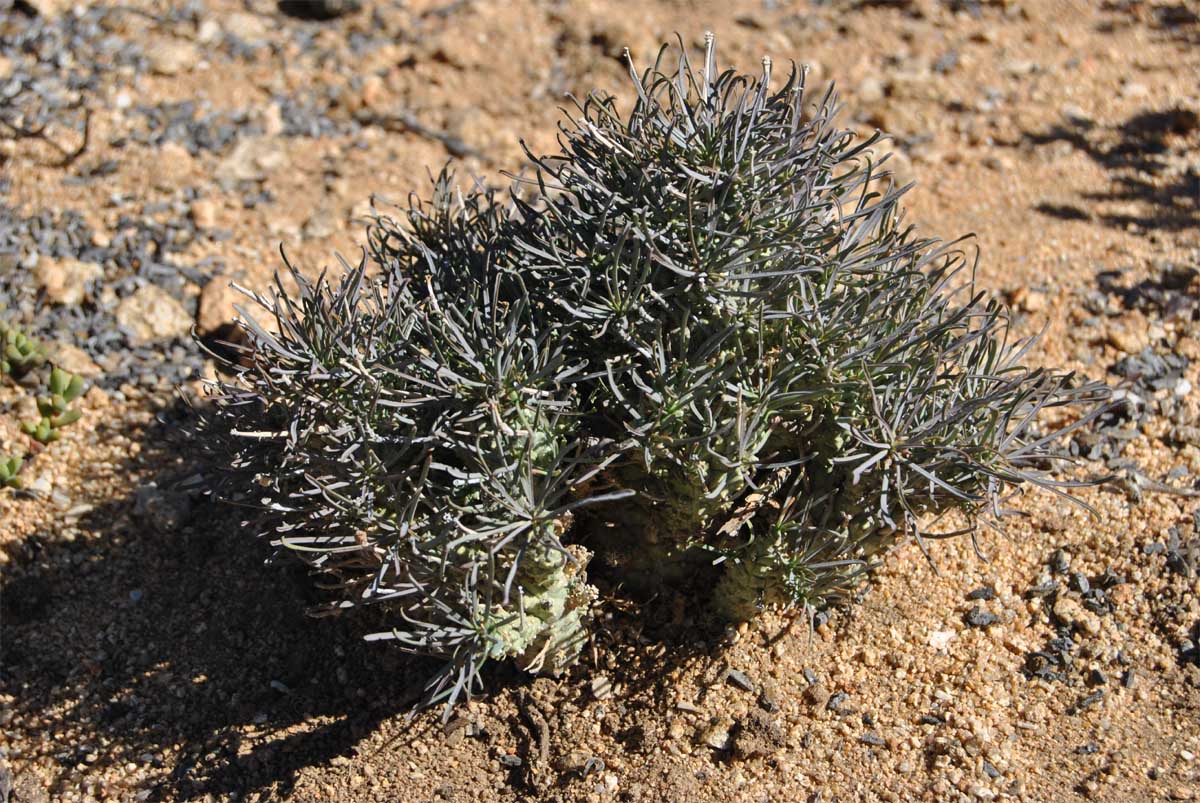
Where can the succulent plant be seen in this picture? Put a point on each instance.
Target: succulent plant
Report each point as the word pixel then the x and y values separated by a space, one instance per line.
pixel 411 435
pixel 20 355
pixel 10 467
pixel 711 339
pixel 803 380
pixel 56 410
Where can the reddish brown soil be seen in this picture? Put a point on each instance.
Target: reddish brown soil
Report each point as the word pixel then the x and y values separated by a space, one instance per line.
pixel 212 685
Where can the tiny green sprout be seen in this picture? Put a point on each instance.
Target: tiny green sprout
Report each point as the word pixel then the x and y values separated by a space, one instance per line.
pixel 65 385
pixel 41 431
pixel 55 409
pixel 18 353
pixel 10 467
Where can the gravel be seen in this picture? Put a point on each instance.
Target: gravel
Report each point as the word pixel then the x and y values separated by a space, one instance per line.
pixel 1151 386
pixel 189 124
pixel 55 61
pixel 139 257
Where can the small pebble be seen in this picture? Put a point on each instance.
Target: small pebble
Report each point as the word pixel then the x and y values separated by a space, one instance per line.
pixel 978 617
pixel 740 679
pixel 602 687
pixel 204 213
pixel 1060 562
pixel 1080 583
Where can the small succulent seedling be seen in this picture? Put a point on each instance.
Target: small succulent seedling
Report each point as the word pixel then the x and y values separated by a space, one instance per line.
pixel 10 467
pixel 22 354
pixel 18 353
pixel 55 409
pixel 711 341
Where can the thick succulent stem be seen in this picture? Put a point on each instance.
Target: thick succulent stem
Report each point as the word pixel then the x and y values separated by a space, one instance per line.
pixel 546 625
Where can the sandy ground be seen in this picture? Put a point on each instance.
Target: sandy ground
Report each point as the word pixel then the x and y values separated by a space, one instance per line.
pixel 147 653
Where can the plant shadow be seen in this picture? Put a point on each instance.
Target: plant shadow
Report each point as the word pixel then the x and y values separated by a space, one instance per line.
pixel 172 649
pixel 147 633
pixel 1170 21
pixel 1150 188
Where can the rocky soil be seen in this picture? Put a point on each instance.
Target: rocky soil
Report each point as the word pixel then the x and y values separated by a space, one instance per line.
pixel 151 153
